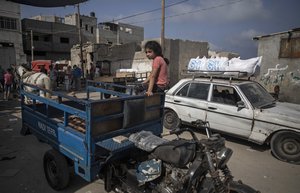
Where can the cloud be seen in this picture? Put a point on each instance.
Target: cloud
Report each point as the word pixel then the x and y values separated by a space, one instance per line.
pixel 219 11
pixel 243 37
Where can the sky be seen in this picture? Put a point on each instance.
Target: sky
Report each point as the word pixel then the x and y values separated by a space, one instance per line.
pixel 228 25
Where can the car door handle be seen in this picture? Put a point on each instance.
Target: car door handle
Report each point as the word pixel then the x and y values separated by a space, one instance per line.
pixel 212 108
pixel 177 101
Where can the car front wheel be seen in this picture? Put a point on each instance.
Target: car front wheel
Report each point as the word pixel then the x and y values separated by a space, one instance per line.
pixel 171 119
pixel 285 145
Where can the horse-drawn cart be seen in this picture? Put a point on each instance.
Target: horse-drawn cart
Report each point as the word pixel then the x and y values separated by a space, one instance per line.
pixel 86 133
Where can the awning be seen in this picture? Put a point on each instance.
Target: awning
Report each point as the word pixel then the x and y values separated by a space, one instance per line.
pixel 48 3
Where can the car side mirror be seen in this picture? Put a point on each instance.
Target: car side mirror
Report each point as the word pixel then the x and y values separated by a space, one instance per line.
pixel 240 105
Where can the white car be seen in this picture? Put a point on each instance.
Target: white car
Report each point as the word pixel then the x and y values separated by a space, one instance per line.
pixel 239 107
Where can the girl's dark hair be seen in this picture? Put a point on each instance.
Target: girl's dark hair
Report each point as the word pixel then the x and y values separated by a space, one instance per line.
pixel 156 48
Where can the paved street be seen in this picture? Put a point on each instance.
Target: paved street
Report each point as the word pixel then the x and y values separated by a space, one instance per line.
pixel 21 169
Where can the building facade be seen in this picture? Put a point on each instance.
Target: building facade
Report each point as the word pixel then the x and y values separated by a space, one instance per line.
pixel 280 63
pixel 88 25
pixel 51 40
pixel 119 33
pixel 11 47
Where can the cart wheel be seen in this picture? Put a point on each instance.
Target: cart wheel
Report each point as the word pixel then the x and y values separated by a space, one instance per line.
pixel 56 169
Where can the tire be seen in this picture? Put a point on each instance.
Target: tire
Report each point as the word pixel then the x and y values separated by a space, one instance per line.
pixel 239 187
pixel 56 169
pixel 285 146
pixel 171 119
pixel 234 187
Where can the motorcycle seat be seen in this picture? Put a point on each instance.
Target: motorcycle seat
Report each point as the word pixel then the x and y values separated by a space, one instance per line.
pixel 177 152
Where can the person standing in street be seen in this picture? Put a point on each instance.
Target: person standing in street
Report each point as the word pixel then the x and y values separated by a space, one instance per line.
pixel 2 78
pixel 43 69
pixel 68 78
pixel 76 74
pixel 53 77
pixel 158 80
pixel 8 81
pixel 92 71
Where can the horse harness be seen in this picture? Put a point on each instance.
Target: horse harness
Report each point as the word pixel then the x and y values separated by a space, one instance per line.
pixel 27 74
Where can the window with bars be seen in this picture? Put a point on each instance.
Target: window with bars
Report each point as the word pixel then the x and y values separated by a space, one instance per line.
pixel 8 23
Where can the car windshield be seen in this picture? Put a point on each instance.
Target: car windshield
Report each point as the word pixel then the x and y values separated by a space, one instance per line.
pixel 257 95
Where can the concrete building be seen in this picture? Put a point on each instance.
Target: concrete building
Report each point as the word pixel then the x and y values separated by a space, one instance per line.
pixel 280 63
pixel 11 46
pixel 119 33
pixel 51 40
pixel 49 18
pixel 88 25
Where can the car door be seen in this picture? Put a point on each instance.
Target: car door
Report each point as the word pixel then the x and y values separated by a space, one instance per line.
pixel 223 113
pixel 190 101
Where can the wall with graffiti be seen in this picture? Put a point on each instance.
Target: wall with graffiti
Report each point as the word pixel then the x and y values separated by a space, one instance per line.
pixel 288 81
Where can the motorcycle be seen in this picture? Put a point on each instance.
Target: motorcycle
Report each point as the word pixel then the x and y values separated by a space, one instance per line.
pixel 157 165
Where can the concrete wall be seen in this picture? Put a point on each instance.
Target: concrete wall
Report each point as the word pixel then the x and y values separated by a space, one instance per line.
pixel 179 52
pixel 11 51
pixel 284 72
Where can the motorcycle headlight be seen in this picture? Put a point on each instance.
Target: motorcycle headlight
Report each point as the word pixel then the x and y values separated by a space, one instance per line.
pixel 223 156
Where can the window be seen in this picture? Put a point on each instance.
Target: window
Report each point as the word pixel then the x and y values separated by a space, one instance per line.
pixel 35 38
pixel 257 95
pixel 8 23
pixel 290 48
pixel 225 95
pixel 198 91
pixel 47 38
pixel 64 40
pixel 86 27
pixel 92 30
pixel 80 23
pixel 183 91
pixel 195 90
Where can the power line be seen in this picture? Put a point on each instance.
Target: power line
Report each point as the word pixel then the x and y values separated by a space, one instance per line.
pixel 190 12
pixel 142 13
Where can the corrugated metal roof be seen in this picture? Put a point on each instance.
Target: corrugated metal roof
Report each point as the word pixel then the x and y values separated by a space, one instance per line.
pixel 278 33
pixel 48 3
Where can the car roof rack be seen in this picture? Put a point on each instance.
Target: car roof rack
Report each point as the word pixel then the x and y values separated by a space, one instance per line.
pixel 217 74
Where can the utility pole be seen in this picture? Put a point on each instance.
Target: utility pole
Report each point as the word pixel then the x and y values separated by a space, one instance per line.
pixel 162 34
pixel 31 42
pixel 80 39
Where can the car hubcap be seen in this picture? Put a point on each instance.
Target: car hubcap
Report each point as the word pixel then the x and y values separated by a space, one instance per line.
pixel 169 118
pixel 290 147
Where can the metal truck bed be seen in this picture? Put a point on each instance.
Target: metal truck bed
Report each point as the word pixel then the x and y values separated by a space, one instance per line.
pixel 86 130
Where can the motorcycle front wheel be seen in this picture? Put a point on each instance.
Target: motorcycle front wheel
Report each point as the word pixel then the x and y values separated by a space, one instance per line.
pixel 234 187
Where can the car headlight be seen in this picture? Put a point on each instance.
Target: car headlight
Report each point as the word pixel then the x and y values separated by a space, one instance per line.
pixel 223 156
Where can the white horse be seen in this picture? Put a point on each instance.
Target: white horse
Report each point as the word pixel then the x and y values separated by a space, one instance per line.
pixel 38 79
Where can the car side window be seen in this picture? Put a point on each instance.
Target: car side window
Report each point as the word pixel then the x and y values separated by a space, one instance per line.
pixel 183 91
pixel 225 95
pixel 198 91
